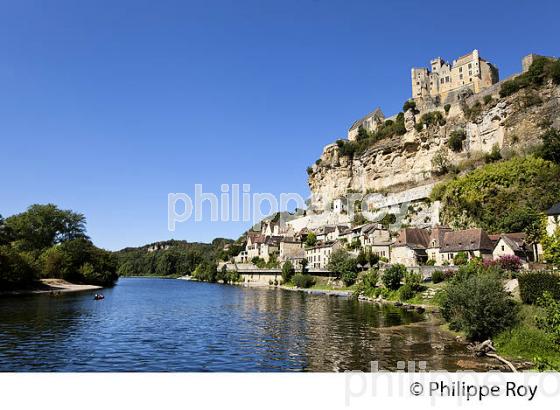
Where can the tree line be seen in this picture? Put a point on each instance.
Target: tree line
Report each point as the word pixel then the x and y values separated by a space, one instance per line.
pixel 48 242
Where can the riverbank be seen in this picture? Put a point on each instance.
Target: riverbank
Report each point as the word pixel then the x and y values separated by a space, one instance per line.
pixel 52 286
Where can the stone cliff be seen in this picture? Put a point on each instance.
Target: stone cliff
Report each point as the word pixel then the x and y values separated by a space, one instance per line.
pixel 513 124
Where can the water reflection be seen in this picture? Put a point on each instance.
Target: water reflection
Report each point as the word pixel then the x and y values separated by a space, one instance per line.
pixel 172 325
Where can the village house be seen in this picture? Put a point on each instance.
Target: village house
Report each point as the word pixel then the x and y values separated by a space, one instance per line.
pixel 435 242
pixel 290 248
pixel 512 244
pixel 473 242
pixel 377 240
pixel 318 255
pixel 553 219
pixel 410 247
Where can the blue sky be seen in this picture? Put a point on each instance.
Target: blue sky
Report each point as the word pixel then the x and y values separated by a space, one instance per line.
pixel 107 106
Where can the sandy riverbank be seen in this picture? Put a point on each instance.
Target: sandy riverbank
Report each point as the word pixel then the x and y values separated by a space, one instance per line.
pixel 53 286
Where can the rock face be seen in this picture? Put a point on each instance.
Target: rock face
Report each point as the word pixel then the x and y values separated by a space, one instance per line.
pixel 514 124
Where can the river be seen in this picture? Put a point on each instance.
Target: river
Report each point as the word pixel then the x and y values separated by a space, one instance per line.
pixel 146 324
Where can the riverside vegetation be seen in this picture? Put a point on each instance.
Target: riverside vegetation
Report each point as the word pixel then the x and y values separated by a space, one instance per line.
pixel 48 242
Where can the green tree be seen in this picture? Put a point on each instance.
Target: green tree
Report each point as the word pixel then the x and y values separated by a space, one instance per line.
pixel 551 248
pixel 288 271
pixel 393 276
pixel 16 271
pixel 344 265
pixel 43 226
pixel 461 258
pixel 311 239
pixel 550 148
pixel 478 305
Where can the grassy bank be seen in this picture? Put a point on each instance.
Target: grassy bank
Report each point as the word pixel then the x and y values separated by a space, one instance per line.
pixel 527 342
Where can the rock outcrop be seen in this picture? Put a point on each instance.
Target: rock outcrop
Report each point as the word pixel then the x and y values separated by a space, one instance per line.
pixel 513 124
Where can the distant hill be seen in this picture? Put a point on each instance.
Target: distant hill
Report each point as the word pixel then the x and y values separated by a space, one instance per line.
pixel 169 258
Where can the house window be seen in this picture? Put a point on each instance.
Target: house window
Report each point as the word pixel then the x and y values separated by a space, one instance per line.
pixel 460 76
pixel 503 248
pixel 460 69
pixel 442 80
pixel 470 65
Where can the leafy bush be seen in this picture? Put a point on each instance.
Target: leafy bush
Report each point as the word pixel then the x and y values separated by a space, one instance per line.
pixel 288 271
pixel 550 322
pixel 438 276
pixel 431 262
pixel 511 263
pixel 311 239
pixel 309 170
pixel 206 271
pixel 447 107
pixel 494 155
pixel 303 281
pixel 413 280
pixel 349 277
pixel 409 105
pixel 371 278
pixel 432 118
pixel 456 139
pixel 550 148
pixel 460 259
pixel 533 284
pixel 478 305
pixel 15 270
pixel 487 99
pixel 406 292
pixel 540 69
pixel 393 276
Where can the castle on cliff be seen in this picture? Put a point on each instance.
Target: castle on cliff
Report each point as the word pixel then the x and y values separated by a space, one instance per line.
pixel 468 72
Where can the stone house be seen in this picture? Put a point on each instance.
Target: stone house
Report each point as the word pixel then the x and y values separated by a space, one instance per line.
pixel 435 242
pixel 553 219
pixel 288 248
pixel 318 255
pixel 370 123
pixel 410 247
pixel 513 244
pixel 377 240
pixel 261 246
pixel 474 242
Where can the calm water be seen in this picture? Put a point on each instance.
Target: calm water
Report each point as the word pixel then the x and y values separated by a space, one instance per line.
pixel 175 325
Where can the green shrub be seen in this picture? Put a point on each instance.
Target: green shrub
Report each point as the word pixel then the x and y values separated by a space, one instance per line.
pixel 15 270
pixel 460 259
pixel 550 148
pixel 309 170
pixel 487 99
pixel 371 278
pixel 550 322
pixel 349 277
pixel 438 276
pixel 288 271
pixel 479 306
pixel 409 105
pixel 447 107
pixel 431 262
pixel 303 281
pixel 393 276
pixel 533 284
pixel 413 280
pixel 456 139
pixel 406 292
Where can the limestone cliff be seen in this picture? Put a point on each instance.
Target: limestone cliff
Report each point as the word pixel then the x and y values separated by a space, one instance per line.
pixel 513 124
